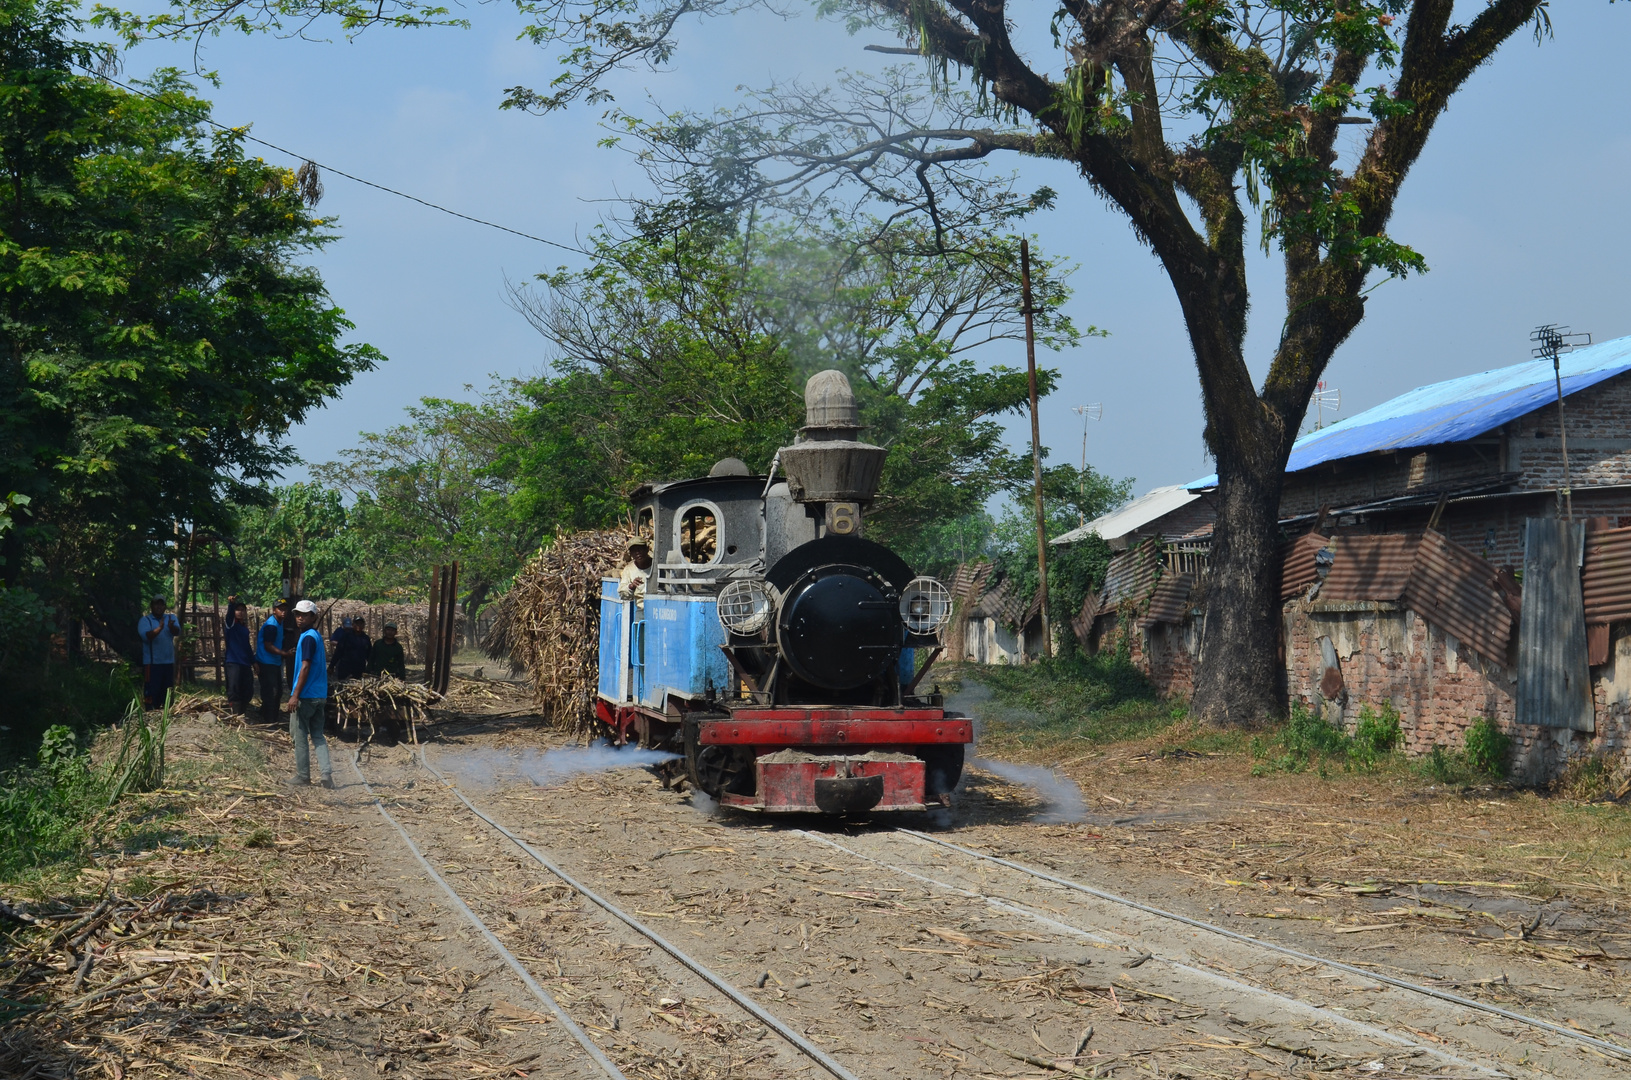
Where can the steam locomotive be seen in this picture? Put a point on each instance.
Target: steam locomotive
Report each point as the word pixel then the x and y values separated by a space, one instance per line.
pixel 775 646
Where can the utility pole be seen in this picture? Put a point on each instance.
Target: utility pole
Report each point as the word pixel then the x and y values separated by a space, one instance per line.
pixel 1552 341
pixel 1094 411
pixel 1036 449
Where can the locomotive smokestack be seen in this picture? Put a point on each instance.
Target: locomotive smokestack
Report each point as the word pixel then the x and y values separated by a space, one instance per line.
pixel 827 464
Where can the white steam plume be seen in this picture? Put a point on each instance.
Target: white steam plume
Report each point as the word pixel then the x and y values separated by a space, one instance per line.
pixel 544 768
pixel 1061 798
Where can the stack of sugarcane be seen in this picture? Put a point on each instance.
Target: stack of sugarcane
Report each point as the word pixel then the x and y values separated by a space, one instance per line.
pixel 383 701
pixel 548 624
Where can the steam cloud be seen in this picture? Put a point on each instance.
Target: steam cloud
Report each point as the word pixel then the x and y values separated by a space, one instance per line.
pixel 1061 798
pixel 545 768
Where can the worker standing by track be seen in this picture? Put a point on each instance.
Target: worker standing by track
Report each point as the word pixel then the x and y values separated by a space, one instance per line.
pixel 238 658
pixel 269 654
pixel 159 630
pixel 387 656
pixel 308 697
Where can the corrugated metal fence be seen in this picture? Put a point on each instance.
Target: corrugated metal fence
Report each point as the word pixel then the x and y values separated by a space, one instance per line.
pixel 1554 682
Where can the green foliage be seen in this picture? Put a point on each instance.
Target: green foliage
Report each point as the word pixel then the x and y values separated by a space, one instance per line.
pixel 51 809
pixel 680 347
pixel 1092 699
pixel 441 486
pixel 1376 733
pixel 1308 741
pixel 1488 748
pixel 1070 498
pixel 158 336
pixel 1485 754
pixel 307 520
pixel 25 628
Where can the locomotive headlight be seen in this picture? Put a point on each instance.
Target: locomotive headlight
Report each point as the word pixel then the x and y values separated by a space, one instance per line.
pixel 925 605
pixel 745 606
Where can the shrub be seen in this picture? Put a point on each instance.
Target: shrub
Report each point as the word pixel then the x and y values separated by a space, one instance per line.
pixel 1308 740
pixel 1488 749
pixel 51 809
pixel 1485 754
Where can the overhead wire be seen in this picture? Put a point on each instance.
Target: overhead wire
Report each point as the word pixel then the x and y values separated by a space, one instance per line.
pixel 244 133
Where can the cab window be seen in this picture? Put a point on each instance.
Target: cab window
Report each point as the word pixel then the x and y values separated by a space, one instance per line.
pixel 699 535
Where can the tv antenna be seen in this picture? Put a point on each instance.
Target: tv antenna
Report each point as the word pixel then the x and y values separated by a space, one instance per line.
pixel 1323 399
pixel 1551 342
pixel 1094 411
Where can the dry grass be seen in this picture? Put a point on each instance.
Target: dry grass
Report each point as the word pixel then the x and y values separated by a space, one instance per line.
pixel 548 624
pixel 234 932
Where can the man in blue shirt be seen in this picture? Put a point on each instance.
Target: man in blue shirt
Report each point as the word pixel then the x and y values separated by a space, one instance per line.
pixel 238 657
pixel 158 630
pixel 269 654
pixel 308 698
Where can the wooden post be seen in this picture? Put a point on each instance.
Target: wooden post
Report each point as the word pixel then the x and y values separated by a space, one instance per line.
pixel 450 609
pixel 1036 454
pixel 184 593
pixel 221 647
pixel 432 625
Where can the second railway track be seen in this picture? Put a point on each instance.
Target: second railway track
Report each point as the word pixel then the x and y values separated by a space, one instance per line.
pixel 893 988
pixel 476 906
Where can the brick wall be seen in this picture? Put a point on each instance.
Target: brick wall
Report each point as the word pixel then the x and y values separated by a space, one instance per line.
pixel 1164 653
pixel 1439 687
pixel 1388 653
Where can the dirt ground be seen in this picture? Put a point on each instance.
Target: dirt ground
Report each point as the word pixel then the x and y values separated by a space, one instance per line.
pixel 255 930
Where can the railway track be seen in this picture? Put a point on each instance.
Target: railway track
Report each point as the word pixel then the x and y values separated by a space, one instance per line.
pixel 1188 960
pixel 597 1056
pixel 1584 1038
pixel 1457 1006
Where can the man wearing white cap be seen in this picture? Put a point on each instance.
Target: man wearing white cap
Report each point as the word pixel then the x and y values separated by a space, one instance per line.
pixel 308 698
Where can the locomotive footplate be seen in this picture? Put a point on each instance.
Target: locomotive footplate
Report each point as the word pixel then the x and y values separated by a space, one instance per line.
pixel 847 760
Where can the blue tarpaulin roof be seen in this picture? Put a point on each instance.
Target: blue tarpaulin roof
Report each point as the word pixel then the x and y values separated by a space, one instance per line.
pixel 1451 411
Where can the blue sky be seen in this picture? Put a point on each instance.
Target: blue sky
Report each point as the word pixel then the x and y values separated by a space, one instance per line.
pixel 1519 205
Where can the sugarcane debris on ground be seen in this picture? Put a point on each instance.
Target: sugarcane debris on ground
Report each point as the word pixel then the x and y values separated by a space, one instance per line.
pixel 548 624
pixel 227 928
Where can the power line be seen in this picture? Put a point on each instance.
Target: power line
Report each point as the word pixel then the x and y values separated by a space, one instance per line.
pixel 340 172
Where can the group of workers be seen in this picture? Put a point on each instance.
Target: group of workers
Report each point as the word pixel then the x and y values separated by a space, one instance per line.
pixel 287 632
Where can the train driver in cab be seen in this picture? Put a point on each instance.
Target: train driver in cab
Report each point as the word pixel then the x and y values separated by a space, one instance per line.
pixel 631 580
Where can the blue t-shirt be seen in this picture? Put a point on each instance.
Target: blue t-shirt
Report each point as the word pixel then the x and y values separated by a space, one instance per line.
pixel 162 649
pixel 309 653
pixel 237 643
pixel 271 634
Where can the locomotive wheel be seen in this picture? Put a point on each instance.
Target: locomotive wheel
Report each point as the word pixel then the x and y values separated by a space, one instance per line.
pixel 716 770
pixel 942 768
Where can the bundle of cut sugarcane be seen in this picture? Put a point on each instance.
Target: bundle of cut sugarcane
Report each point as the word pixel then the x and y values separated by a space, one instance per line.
pixel 383 701
pixel 548 624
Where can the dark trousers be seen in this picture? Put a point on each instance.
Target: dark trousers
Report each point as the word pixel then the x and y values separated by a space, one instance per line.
pixel 271 691
pixel 160 678
pixel 239 687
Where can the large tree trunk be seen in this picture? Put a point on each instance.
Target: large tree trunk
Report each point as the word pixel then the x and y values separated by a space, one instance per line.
pixel 1239 680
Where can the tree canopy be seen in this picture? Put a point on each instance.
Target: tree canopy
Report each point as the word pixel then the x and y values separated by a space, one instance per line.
pixel 159 336
pixel 1200 121
pixel 681 347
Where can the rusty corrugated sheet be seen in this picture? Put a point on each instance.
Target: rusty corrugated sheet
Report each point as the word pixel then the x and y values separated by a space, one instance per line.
pixel 1033 610
pixel 1082 624
pixel 1170 600
pixel 1460 593
pixel 1003 603
pixel 1370 567
pixel 1297 571
pixel 1131 574
pixel 1605 579
pixel 969 581
pixel 1554 684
